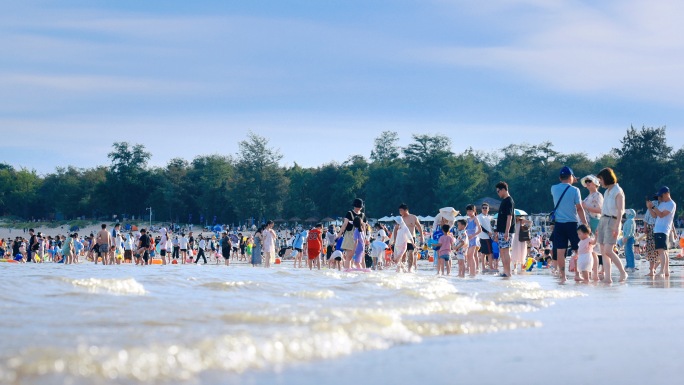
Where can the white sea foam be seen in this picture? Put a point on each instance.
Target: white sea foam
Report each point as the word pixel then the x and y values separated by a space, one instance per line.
pixel 128 286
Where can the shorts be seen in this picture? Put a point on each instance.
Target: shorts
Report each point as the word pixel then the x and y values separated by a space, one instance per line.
pixel 314 253
pixel 503 244
pixel 162 252
pixel 445 257
pixel 328 252
pixel 298 249
pixel 128 255
pixel 585 262
pixel 661 241
pixel 564 233
pixel 348 240
pixel 460 256
pixel 225 253
pixel 103 249
pixel 184 250
pixel 485 246
pixel 604 234
pixel 410 247
pixel 377 252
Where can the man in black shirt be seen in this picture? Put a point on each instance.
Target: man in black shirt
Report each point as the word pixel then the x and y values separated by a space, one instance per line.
pixel 143 248
pixel 505 226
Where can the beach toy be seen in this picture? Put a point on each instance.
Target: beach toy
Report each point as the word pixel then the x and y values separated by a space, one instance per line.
pixel 529 264
pixel 156 261
pixel 431 259
pixel 99 259
pixel 174 262
pixel 8 261
pixel 189 260
pixel 37 258
pixel 277 261
pixel 540 264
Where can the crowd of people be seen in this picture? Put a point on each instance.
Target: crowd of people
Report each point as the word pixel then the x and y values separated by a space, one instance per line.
pixel 586 232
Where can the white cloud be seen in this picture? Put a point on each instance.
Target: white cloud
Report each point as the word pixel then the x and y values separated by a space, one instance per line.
pixel 629 49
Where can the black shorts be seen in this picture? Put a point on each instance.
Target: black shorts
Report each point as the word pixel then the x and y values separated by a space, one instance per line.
pixel 329 251
pixel 564 233
pixel 661 241
pixel 225 253
pixel 486 246
pixel 298 249
pixel 338 258
pixel 162 253
pixel 410 247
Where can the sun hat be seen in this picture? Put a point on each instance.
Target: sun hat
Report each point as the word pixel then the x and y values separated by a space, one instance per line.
pixel 592 178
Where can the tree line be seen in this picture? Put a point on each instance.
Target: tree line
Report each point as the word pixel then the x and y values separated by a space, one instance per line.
pixel 426 174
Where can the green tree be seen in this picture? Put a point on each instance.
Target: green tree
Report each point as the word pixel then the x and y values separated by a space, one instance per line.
pixel 643 161
pixel 126 189
pixel 386 147
pixel 426 159
pixel 260 184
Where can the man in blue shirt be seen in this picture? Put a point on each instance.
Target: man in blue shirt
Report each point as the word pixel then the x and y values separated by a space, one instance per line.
pixel 569 212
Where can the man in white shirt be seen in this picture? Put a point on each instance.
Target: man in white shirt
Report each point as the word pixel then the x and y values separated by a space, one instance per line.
pixel 664 215
pixel 485 239
pixel 183 243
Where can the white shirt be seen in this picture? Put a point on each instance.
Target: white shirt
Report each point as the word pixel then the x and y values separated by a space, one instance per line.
pixel 664 224
pixel 486 224
pixel 202 244
pixel 609 201
pixel 184 243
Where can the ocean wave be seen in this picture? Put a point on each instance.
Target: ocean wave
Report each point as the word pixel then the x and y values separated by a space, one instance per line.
pixel 230 285
pixel 126 286
pixel 314 294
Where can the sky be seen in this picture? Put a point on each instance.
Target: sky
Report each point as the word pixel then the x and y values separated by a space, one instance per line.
pixel 322 79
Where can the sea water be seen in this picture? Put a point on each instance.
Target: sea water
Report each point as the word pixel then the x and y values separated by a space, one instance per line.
pixel 86 324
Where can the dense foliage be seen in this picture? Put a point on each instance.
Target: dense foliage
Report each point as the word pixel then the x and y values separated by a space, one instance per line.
pixel 426 174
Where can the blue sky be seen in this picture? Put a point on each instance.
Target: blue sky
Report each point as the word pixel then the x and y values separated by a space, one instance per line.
pixel 322 79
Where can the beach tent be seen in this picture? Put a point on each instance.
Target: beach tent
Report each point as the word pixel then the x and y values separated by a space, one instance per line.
pixel 386 219
pixel 428 219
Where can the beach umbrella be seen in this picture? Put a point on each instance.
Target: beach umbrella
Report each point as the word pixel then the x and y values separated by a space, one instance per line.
pixel 519 212
pixel 279 220
pixel 295 219
pixel 386 219
pixel 428 219
pixel 327 219
pixel 311 220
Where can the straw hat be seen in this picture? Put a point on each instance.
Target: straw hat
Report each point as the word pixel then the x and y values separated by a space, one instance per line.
pixel 592 178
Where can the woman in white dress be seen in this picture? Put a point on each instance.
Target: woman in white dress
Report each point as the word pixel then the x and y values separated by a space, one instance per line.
pixel 269 237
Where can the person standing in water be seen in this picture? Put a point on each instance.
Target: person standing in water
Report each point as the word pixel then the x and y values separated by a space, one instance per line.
pixel 610 223
pixel 504 227
pixel 413 224
pixel 269 237
pixel 347 230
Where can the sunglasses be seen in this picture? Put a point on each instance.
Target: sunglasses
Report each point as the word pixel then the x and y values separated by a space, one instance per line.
pixel 588 182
